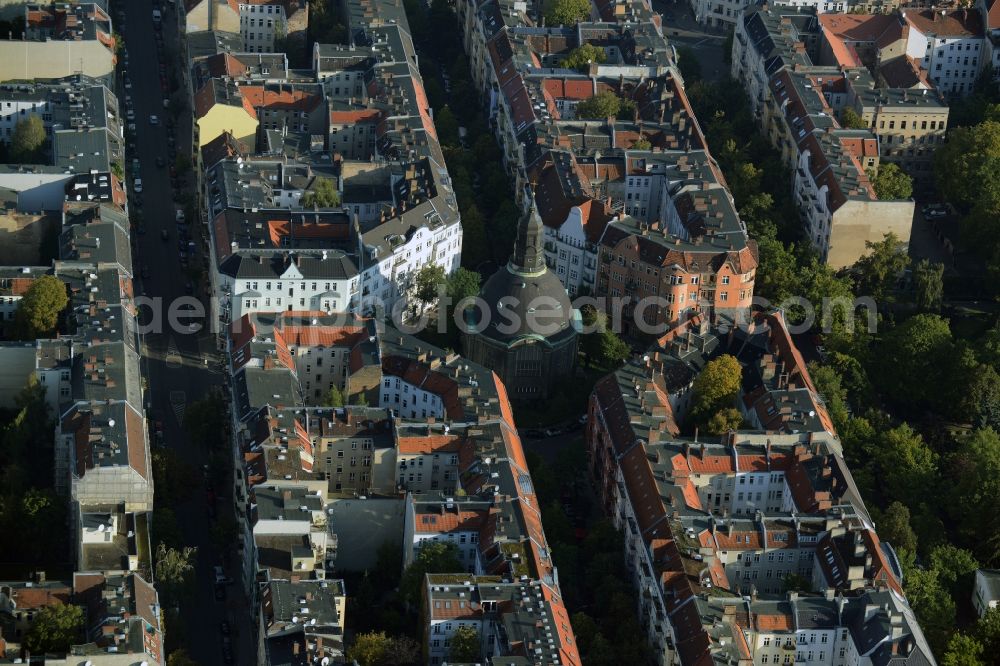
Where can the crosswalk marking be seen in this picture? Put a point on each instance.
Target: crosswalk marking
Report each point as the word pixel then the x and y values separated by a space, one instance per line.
pixel 173 358
pixel 178 403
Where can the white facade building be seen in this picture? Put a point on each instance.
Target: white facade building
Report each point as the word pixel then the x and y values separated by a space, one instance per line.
pixel 949 45
pixel 261 25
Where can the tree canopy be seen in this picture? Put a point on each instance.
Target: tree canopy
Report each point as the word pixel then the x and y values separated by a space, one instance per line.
pixel 582 56
pixel 877 271
pixel 28 140
pixel 566 12
pixel 323 194
pixel 928 285
pixel 433 557
pixel 716 387
pixel 55 629
pixel 430 278
pixel 464 646
pixel 38 311
pixel 850 119
pixel 174 573
pixel 688 63
pixel 334 398
pixel 463 283
pixel 891 182
pixel 369 649
pixel 603 105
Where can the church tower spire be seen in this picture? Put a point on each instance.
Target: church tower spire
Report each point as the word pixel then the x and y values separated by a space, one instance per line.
pixel 529 254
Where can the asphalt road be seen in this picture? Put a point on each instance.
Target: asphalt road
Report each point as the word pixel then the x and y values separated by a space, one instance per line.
pixel 174 360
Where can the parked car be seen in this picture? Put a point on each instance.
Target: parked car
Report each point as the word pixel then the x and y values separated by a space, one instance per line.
pixel 137 185
pixel 153 120
pixel 164 235
pixel 179 216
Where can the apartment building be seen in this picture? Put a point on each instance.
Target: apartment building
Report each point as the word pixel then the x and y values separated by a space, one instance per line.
pixel 949 44
pixel 504 615
pixel 704 272
pixel 268 26
pixel 458 473
pixel 270 143
pixel 990 14
pixel 729 521
pixel 773 53
pixel 302 617
pixel 196 16
pixel 60 40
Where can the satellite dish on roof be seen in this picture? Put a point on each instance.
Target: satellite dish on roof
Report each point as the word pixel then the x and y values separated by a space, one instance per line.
pixel 111 423
pixel 100 528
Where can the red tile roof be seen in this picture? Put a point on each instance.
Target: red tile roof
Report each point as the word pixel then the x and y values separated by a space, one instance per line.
pixel 949 23
pixel 269 98
pixel 429 444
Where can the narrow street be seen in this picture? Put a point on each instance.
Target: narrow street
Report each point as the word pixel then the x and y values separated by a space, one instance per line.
pixel 180 367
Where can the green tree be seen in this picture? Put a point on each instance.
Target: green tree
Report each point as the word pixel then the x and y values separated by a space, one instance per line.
pixel 935 609
pixel 987 631
pixel 908 466
pixel 585 630
pixel 688 64
pixel 323 194
pixel 435 557
pixel 182 163
pixel 174 573
pixel 401 651
pixel 334 398
pixel 877 271
pixel 641 144
pixel 28 141
pixel 928 285
pixel 446 126
pixel 463 283
pixel 829 385
pixel 978 399
pixel 911 359
pixel 894 526
pixel 118 170
pixel 602 105
pixel 429 279
pixel 55 629
pixel 180 658
pixel 850 119
pixel 464 646
pixel 205 422
pixel 38 311
pixel 725 420
pixel 974 508
pixel 716 387
pixel 796 583
pixel 566 12
pixel 955 568
pixel 613 350
pixel 968 165
pixel 963 650
pixel 582 56
pixel 891 182
pixel 369 649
